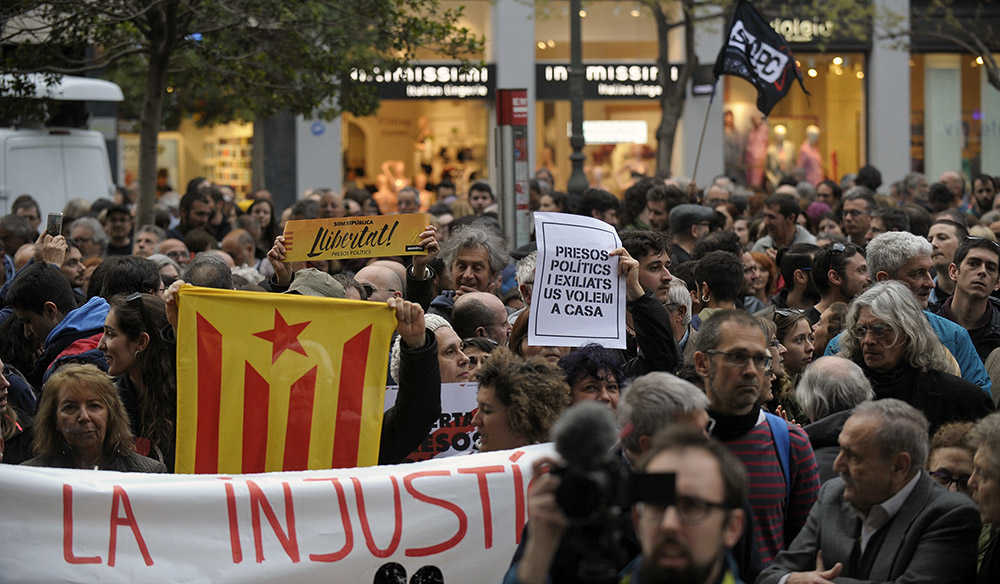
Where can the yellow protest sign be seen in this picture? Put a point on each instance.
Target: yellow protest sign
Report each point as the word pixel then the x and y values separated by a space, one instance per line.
pixel 354 237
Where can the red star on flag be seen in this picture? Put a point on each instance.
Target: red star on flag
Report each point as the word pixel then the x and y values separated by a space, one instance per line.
pixel 283 336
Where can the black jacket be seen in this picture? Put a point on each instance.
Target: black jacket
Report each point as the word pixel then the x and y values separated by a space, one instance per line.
pixel 986 334
pixel 408 422
pixel 823 435
pixel 940 396
pixel 654 347
pixel 127 462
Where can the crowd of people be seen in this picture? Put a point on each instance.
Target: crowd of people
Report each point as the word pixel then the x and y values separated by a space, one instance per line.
pixel 812 367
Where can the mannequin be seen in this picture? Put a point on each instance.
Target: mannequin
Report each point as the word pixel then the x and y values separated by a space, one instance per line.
pixel 809 158
pixel 733 146
pixel 756 150
pixel 780 155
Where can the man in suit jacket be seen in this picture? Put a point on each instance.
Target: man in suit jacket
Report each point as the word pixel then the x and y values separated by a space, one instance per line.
pixel 884 519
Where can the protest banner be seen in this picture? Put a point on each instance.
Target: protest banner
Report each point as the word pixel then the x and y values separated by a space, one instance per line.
pixel 266 383
pixel 578 295
pixel 354 237
pixel 460 517
pixel 453 433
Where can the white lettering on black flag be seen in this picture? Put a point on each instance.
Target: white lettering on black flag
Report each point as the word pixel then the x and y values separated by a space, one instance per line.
pixel 578 296
pixel 755 52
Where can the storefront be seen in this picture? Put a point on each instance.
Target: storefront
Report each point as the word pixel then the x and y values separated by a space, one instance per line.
pixel 818 136
pixel 432 123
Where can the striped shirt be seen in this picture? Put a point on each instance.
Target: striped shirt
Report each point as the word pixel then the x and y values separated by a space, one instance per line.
pixel 774 529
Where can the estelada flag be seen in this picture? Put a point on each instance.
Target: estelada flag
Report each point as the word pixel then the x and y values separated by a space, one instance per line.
pixel 271 382
pixel 757 53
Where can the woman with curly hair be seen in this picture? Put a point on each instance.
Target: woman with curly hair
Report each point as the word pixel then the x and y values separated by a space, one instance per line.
pixel 519 401
pixel 139 346
pixel 594 373
pixel 81 423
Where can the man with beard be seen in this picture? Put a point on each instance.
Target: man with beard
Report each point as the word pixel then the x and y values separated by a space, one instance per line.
pixel 685 535
pixel 780 215
pixel 731 358
pixel 840 273
pixel 118 225
pixel 884 519
pixel 898 255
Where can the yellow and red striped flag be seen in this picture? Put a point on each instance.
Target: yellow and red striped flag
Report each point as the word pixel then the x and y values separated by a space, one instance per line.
pixel 271 382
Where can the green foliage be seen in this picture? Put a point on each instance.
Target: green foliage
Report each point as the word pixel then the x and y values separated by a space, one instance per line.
pixel 231 59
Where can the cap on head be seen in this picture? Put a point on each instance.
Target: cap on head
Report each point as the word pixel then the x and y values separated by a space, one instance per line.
pixel 684 216
pixel 312 282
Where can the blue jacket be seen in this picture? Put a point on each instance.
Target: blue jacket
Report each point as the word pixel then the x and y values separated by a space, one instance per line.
pixel 956 339
pixel 74 339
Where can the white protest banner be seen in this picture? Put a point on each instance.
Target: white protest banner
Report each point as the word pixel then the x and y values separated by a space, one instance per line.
pixel 453 433
pixel 578 296
pixel 460 517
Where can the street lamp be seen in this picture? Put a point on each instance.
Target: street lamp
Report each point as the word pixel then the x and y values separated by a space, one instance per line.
pixel 577 179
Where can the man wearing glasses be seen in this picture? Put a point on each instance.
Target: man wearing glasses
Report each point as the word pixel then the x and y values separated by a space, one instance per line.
pixel 684 532
pixel 884 519
pixel 731 357
pixel 859 202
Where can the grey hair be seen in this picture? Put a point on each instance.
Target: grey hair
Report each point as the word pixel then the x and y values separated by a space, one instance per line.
pixel 416 193
pixel 806 190
pixel 678 294
pixel 432 322
pixel 95 227
pixel 472 236
pixel 986 432
pixel 893 303
pixel 911 180
pixel 830 385
pixel 653 401
pixel 989 217
pixel 889 251
pixel 525 269
pixel 161 260
pixel 154 229
pixel 903 429
pixel 210 271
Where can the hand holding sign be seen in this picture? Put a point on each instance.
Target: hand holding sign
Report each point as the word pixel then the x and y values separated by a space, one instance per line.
pixel 409 322
pixel 428 241
pixel 277 255
pixel 629 268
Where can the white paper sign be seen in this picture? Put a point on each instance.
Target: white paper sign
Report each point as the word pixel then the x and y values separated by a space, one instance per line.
pixel 452 520
pixel 578 296
pixel 453 434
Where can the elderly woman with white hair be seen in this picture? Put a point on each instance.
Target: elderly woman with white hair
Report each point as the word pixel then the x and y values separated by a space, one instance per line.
pixel 425 354
pixel 887 335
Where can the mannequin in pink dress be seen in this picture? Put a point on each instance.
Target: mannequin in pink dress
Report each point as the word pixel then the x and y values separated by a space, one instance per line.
pixel 755 156
pixel 809 159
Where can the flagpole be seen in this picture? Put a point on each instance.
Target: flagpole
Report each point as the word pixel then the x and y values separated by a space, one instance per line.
pixel 701 139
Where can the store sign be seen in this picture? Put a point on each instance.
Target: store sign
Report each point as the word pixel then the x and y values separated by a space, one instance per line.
pixel 797 30
pixel 432 81
pixel 603 81
pixel 612 131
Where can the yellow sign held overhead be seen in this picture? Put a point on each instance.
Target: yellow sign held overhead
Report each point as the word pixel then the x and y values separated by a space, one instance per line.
pixel 354 237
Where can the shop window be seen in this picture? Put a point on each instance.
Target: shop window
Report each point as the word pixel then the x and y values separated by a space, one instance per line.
pixel 817 137
pixel 955 116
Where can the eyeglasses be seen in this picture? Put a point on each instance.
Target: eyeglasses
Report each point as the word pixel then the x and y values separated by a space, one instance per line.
pixel 741 358
pixel 166 333
pixel 837 248
pixel 995 245
pixel 945 479
pixel 690 509
pixel 879 332
pixel 786 312
pixel 471 341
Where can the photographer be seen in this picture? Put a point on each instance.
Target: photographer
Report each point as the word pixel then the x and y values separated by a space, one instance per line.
pixel 685 532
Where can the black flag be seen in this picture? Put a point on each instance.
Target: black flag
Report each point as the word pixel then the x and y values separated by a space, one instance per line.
pixel 755 52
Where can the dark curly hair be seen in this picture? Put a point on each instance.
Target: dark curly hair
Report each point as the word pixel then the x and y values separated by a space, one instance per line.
pixel 533 392
pixel 589 360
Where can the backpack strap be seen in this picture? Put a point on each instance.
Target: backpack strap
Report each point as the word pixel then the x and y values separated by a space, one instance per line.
pixel 782 444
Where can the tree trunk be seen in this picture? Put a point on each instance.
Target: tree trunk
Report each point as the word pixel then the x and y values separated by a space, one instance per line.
pixel 162 24
pixel 674 93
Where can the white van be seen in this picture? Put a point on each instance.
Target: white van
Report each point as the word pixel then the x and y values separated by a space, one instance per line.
pixel 54 165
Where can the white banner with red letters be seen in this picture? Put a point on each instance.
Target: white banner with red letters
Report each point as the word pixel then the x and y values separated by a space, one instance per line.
pixel 451 520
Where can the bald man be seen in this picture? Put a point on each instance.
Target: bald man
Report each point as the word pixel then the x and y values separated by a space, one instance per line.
pixel 383 283
pixel 239 244
pixel 481 314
